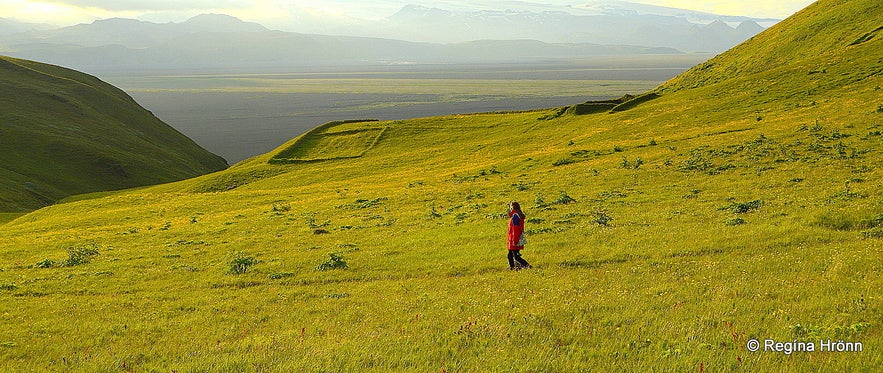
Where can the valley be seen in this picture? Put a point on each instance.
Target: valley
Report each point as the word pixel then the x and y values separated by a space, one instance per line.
pixel 238 116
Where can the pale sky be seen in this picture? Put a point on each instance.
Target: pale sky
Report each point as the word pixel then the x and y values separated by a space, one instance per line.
pixel 285 14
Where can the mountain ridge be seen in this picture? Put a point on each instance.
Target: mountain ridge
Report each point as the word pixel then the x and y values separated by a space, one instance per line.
pixel 130 45
pixel 605 22
pixel 141 45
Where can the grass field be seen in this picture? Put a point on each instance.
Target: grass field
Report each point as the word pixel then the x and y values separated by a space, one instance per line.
pixel 666 237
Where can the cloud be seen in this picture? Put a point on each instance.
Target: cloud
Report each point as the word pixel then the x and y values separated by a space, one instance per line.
pixel 322 15
pixel 751 8
pixel 153 5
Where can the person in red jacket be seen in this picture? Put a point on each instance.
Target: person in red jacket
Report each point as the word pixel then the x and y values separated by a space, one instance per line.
pixel 516 237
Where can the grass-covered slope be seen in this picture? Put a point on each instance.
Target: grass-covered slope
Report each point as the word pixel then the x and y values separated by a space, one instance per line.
pixel 664 238
pixel 813 40
pixel 64 133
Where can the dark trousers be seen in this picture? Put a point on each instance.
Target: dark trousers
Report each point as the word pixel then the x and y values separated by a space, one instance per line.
pixel 516 261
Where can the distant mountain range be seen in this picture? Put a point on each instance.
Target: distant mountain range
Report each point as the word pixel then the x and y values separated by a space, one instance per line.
pixel 224 43
pixel 473 32
pixel 604 22
pixel 593 21
pixel 9 26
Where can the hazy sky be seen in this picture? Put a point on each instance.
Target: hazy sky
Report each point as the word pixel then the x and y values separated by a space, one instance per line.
pixel 285 14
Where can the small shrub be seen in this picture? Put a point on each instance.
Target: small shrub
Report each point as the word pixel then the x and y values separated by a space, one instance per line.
pixel 45 263
pixel 563 161
pixel 79 255
pixel 492 171
pixel 365 203
pixel 631 165
pixel 539 202
pixel 699 161
pixel 735 221
pixel 607 195
pixel 522 186
pixel 334 262
pixel 564 199
pixel 280 275
pixel 531 232
pixel 617 149
pixel 433 213
pixel 601 218
pixel 350 247
pixel 241 263
pixel 743 207
pixel 311 222
pixel 848 194
pixel 843 222
pixel 281 208
pixel 873 233
pixel 8 287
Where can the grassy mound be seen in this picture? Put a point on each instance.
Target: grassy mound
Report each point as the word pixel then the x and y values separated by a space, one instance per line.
pixel 334 140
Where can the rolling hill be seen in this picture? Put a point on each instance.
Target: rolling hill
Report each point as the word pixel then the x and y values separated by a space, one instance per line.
pixel 737 204
pixel 66 133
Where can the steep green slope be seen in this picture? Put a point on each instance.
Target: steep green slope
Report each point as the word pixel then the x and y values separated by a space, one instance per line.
pixel 806 40
pixel 63 133
pixel 664 237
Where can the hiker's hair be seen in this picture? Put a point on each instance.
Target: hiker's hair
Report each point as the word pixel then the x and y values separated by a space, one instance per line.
pixel 517 208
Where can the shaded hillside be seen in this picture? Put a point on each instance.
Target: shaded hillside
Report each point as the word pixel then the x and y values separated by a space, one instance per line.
pixel 669 235
pixel 65 133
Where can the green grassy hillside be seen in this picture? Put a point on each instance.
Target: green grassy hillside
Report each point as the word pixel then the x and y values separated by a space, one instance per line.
pixel 813 41
pixel 664 237
pixel 64 133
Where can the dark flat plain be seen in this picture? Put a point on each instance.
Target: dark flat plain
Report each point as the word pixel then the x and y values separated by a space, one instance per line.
pixel 241 115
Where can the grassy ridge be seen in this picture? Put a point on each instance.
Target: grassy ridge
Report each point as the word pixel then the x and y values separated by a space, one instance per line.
pixel 827 30
pixel 664 237
pixel 68 133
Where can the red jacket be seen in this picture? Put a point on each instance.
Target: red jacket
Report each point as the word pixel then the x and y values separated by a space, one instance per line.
pixel 516 229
